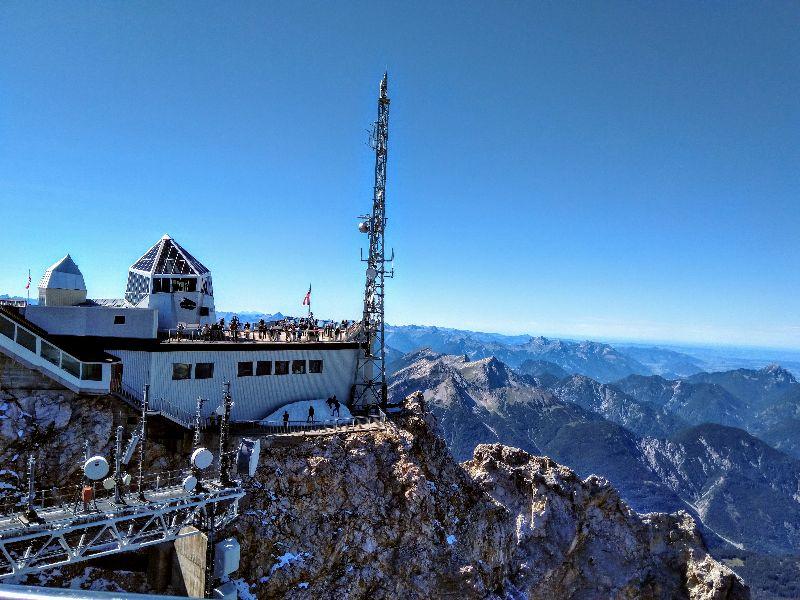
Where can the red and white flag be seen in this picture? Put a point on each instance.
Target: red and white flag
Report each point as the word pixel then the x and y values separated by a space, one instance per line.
pixel 28 285
pixel 307 299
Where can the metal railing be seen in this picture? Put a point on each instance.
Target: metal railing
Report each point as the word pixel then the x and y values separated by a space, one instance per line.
pixel 53 355
pixel 272 334
pixel 160 406
pixel 70 497
pixel 346 425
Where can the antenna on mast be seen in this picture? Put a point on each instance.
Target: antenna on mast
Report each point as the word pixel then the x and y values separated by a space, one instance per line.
pixel 370 387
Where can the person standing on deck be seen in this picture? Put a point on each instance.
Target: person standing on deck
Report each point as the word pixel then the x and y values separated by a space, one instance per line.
pixel 310 418
pixel 286 420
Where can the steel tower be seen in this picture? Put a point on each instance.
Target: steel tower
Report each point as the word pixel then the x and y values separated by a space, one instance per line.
pixel 370 388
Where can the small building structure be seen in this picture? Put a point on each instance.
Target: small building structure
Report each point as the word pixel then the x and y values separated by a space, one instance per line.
pixel 62 284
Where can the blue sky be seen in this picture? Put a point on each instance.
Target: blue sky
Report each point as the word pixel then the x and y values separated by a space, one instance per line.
pixel 606 170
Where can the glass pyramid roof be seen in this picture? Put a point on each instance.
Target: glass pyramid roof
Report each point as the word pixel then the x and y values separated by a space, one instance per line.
pixel 168 257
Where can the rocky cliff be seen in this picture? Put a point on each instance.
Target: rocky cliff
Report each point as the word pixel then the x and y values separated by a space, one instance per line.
pixel 390 514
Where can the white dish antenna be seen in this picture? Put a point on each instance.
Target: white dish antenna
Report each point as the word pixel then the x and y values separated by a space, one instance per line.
pixel 372 273
pixel 190 483
pixel 202 458
pixel 95 468
pixel 108 483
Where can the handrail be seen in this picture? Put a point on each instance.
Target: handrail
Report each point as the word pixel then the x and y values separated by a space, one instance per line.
pixel 39 351
pixel 355 423
pixel 161 406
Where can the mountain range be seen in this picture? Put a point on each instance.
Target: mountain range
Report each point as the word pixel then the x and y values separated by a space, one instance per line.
pixel 601 361
pixel 667 444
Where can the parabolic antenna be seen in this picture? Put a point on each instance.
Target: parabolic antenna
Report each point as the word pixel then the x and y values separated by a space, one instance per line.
pixel 371 273
pixel 363 227
pixel 247 457
pixel 95 468
pixel 108 483
pixel 202 458
pixel 190 483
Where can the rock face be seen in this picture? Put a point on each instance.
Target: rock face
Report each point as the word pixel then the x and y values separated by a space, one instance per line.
pixel 577 539
pixel 642 418
pixel 484 401
pixel 391 515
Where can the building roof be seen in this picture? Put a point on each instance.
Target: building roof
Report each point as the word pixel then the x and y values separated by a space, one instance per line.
pixel 63 275
pixel 168 257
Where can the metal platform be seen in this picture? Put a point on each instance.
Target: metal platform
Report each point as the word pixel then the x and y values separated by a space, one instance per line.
pixel 66 533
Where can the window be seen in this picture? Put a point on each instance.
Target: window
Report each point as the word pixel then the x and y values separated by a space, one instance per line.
pixel 70 365
pixel 203 311
pixel 281 367
pixel 184 284
pixel 26 338
pixel 245 369
pixel 264 367
pixel 204 371
pixel 50 353
pixel 92 372
pixel 315 366
pixel 7 327
pixel 119 319
pixel 298 367
pixel 160 285
pixel 181 371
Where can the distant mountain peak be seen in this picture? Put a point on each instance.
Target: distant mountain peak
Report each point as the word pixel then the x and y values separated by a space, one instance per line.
pixel 778 373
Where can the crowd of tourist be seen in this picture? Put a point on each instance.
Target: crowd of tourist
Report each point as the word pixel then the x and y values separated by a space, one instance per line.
pixel 304 329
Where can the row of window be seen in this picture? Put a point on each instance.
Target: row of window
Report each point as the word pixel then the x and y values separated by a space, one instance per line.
pixel 181 284
pixel 245 369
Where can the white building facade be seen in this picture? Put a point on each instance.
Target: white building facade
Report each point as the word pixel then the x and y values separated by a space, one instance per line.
pixel 137 341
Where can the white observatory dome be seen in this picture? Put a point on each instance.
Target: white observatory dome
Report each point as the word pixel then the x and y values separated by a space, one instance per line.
pixel 62 284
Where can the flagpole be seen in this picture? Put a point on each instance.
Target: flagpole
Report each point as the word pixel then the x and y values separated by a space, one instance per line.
pixel 28 287
pixel 309 299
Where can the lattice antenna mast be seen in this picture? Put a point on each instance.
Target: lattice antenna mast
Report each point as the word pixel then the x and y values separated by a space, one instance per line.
pixel 370 387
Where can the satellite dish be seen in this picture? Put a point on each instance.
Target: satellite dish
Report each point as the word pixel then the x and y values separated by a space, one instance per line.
pixel 108 483
pixel 247 457
pixel 220 410
pixel 190 483
pixel 202 458
pixel 363 227
pixel 95 468
pixel 371 273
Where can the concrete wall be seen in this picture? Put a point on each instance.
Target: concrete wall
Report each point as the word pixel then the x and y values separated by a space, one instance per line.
pixel 170 312
pixel 59 297
pixel 254 397
pixel 94 321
